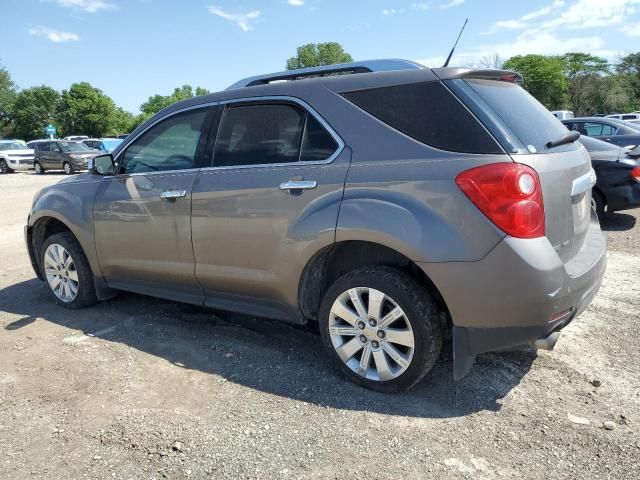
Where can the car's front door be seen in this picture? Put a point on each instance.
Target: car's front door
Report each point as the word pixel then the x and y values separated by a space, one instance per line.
pixel 268 203
pixel 142 214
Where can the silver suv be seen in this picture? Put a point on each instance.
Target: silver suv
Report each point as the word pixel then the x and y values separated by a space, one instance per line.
pixel 392 204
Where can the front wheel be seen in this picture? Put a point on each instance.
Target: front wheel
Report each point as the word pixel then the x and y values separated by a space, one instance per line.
pixel 68 169
pixel 38 168
pixel 381 328
pixel 4 168
pixel 67 271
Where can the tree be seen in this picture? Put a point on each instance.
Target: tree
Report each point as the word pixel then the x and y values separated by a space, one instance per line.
pixel 584 73
pixel 628 70
pixel 33 109
pixel 121 121
pixel 85 110
pixel 8 93
pixel 543 77
pixel 315 55
pixel 490 61
pixel 156 103
pixel 577 63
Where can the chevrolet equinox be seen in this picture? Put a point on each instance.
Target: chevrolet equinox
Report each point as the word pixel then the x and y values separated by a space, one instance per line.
pixel 392 204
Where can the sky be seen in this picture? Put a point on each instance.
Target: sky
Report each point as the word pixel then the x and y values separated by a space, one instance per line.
pixel 132 49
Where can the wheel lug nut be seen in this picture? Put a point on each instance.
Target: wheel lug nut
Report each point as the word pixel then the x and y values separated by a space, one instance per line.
pixel 372 322
pixel 380 334
pixel 363 339
pixel 375 344
pixel 361 325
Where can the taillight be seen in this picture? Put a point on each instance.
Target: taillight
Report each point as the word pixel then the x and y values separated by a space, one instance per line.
pixel 635 174
pixel 509 194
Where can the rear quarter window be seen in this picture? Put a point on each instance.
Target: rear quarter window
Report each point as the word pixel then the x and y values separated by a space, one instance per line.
pixel 429 113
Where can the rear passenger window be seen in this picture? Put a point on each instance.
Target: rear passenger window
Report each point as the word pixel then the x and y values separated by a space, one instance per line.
pixel 428 113
pixel 270 134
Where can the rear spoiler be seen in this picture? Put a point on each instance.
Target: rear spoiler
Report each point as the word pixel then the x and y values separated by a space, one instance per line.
pixel 482 74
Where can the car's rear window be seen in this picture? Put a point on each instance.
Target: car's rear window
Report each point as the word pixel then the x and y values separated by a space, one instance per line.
pixel 527 118
pixel 429 113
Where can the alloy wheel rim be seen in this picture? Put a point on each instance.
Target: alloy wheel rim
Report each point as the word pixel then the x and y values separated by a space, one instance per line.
pixel 38 168
pixel 61 273
pixel 371 334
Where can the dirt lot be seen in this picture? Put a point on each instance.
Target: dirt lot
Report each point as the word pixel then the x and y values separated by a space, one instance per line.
pixel 138 388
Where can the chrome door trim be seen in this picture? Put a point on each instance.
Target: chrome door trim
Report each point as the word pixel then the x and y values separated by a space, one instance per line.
pixel 299 185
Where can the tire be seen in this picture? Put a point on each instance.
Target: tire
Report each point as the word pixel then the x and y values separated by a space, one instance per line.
pixel 597 202
pixel 4 168
pixel 38 168
pixel 68 169
pixel 421 318
pixel 85 290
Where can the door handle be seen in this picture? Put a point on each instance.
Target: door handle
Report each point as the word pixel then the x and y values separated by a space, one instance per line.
pixel 298 185
pixel 173 194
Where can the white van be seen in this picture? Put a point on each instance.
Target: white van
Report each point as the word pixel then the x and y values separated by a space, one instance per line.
pixel 625 116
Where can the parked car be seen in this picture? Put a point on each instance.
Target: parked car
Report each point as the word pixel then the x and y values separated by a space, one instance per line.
pixel 62 155
pixel 562 114
pixel 103 144
pixel 388 207
pixel 611 130
pixel 625 116
pixel 617 176
pixel 15 155
pixel 75 138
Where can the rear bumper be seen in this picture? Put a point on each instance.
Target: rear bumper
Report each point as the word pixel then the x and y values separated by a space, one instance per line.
pixel 520 292
pixel 622 197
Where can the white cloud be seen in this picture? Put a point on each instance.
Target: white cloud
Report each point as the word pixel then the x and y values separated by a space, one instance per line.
pixel 594 13
pixel 632 30
pixel 524 20
pixel 91 6
pixel 541 12
pixel 542 42
pixel 296 3
pixel 243 20
pixel 415 6
pixel 392 11
pixel 452 3
pixel 53 35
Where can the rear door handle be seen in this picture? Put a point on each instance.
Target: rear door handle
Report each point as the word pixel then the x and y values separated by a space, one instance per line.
pixel 299 185
pixel 173 194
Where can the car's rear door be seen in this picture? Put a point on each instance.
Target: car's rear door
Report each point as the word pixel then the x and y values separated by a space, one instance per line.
pixel 143 214
pixel 268 203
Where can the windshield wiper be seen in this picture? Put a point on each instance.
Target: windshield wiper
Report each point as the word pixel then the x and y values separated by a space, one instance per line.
pixel 569 138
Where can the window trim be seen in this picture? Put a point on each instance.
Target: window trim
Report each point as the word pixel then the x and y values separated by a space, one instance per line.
pixel 121 152
pixel 280 99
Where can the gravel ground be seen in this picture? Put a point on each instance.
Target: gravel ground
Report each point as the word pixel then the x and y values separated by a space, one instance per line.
pixel 139 388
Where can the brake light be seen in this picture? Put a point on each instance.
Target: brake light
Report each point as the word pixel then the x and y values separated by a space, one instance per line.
pixel 635 174
pixel 509 194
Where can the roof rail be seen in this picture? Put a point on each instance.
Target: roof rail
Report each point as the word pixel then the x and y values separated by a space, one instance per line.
pixel 367 66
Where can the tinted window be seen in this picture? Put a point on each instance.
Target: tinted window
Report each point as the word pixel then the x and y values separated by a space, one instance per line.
pixel 317 143
pixel 429 113
pixel 594 129
pixel 169 145
pixel 527 118
pixel 259 134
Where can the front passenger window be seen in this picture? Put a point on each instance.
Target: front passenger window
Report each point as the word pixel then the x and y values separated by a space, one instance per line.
pixel 169 145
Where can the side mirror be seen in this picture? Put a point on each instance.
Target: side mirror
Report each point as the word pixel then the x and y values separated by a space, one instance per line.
pixel 102 165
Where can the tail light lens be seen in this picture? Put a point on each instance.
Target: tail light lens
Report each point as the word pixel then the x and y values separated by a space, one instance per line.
pixel 635 174
pixel 509 194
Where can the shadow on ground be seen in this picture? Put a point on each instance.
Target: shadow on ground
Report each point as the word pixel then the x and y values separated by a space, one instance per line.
pixel 617 222
pixel 269 356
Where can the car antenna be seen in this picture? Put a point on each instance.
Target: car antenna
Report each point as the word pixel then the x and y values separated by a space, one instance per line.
pixel 446 64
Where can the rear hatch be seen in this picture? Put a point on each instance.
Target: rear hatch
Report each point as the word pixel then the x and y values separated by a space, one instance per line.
pixel 524 127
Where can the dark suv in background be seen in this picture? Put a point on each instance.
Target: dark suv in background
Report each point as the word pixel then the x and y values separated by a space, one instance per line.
pixel 62 155
pixel 389 203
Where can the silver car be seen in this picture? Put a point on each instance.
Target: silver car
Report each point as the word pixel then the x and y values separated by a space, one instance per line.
pixel 391 204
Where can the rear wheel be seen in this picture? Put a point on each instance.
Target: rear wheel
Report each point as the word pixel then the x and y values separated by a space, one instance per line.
pixel 4 168
pixel 597 203
pixel 381 328
pixel 68 169
pixel 38 168
pixel 67 271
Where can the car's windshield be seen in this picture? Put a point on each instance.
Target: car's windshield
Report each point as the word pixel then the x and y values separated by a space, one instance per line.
pixel 73 146
pixel 12 146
